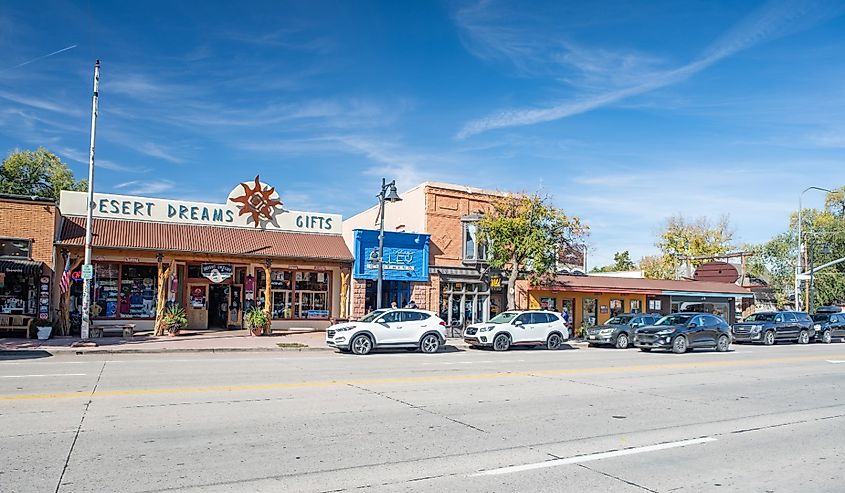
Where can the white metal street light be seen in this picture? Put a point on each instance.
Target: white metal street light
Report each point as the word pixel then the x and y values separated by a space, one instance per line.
pixel 800 223
pixel 387 194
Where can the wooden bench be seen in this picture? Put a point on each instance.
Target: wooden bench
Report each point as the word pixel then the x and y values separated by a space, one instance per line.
pixel 127 331
pixel 17 322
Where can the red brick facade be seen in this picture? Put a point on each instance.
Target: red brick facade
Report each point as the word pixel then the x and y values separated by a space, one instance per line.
pixel 30 219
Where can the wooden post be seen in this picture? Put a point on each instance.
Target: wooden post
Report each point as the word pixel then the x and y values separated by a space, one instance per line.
pixel 268 302
pixel 163 275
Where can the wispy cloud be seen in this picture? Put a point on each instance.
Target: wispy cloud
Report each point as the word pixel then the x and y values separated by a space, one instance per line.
pixel 40 103
pixel 770 21
pixel 145 187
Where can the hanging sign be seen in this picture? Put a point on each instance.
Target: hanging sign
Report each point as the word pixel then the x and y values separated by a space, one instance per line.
pixel 87 271
pixel 198 297
pixel 217 273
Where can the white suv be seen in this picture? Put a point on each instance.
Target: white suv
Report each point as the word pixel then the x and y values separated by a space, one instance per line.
pixel 514 328
pixel 399 328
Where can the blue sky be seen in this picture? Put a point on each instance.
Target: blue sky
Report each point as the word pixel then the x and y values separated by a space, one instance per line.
pixel 625 112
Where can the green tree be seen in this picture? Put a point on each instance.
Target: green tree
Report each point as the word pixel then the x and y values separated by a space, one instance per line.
pixel 621 262
pixel 681 237
pixel 525 233
pixel 37 173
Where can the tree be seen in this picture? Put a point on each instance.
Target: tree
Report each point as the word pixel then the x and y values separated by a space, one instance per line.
pixel 681 237
pixel 37 173
pixel 621 262
pixel 525 233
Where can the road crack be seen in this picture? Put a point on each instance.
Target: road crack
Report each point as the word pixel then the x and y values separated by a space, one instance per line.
pixel 617 478
pixel 418 408
pixel 79 428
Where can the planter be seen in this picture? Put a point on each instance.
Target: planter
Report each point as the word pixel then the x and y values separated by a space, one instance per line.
pixel 257 331
pixel 44 332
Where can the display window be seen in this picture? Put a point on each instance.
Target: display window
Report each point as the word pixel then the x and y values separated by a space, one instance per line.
pixel 18 294
pixel 123 290
pixel 295 294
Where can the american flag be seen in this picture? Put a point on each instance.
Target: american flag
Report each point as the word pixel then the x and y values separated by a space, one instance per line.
pixel 65 281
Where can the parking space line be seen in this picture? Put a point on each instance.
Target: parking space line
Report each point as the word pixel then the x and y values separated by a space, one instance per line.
pixel 45 375
pixel 578 459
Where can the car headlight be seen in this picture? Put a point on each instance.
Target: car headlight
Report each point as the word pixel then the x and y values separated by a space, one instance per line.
pixel 486 329
pixel 666 332
pixel 606 332
pixel 344 329
pixel 756 328
pixel 817 326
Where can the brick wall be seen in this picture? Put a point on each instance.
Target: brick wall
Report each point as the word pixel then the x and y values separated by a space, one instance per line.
pixel 444 210
pixel 31 220
pixel 359 297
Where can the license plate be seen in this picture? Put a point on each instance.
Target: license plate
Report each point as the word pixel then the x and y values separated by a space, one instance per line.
pixel 592 337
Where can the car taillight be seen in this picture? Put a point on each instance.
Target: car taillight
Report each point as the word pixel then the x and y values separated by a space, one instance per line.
pixel 443 323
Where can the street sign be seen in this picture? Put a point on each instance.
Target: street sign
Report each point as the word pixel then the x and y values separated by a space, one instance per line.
pixel 87 271
pixel 803 277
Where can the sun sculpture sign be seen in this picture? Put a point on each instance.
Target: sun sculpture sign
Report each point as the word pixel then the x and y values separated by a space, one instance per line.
pixel 259 201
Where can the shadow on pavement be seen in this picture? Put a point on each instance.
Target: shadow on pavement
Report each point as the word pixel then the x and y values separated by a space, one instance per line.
pixel 6 355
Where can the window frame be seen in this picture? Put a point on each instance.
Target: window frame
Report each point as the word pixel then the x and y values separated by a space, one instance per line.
pixel 28 242
pixel 119 264
pixel 471 221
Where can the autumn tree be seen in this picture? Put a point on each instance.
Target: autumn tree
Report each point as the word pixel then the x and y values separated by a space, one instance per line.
pixel 37 173
pixel 621 262
pixel 525 234
pixel 681 237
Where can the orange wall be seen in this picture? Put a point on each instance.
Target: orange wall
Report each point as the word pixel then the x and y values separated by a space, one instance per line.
pixel 444 210
pixel 603 300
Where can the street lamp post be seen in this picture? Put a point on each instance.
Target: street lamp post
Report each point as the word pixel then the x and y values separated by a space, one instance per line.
pixel 387 194
pixel 800 223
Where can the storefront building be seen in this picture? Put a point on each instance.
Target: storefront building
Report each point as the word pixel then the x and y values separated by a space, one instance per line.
pixel 27 226
pixel 215 260
pixel 460 287
pixel 593 300
pixel 406 257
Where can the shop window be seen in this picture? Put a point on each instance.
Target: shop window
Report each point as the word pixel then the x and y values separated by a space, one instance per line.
pixel 15 247
pixel 590 311
pixel 636 306
pixel 240 275
pixel 281 304
pixel 106 277
pixel 655 305
pixel 548 304
pixel 279 279
pixel 195 272
pixel 311 292
pixel 138 291
pixel 474 248
pixel 18 294
pixel 616 307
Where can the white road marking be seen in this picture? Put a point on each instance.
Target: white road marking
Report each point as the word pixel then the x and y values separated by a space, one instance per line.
pixel 591 457
pixel 475 362
pixel 45 375
pixel 836 361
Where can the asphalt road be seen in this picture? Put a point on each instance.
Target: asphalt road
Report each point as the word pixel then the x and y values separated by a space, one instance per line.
pixel 765 419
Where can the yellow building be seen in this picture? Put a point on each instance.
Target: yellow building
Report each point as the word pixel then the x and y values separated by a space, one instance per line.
pixel 592 300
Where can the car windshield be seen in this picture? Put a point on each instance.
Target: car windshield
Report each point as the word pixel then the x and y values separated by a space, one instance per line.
pixel 760 317
pixel 821 317
pixel 620 320
pixel 504 318
pixel 674 320
pixel 373 315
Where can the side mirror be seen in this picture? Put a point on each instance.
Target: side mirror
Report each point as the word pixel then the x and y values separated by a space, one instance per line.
pixel 692 325
pixel 380 321
pixel 518 323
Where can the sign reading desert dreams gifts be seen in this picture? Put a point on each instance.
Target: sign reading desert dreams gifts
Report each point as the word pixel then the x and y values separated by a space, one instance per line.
pixel 251 204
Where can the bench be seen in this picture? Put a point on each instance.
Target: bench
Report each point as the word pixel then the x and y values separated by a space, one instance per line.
pixel 17 322
pixel 127 331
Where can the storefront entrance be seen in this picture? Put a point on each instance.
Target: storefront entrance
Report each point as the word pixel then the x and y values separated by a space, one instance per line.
pixel 398 292
pixel 218 306
pixel 464 303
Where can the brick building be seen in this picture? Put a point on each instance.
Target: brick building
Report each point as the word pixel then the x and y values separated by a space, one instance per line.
pixel 460 286
pixel 27 232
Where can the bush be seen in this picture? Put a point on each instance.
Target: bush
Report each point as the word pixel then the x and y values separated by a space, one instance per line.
pixel 174 319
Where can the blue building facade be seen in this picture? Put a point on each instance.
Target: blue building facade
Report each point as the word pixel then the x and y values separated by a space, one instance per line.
pixel 406 261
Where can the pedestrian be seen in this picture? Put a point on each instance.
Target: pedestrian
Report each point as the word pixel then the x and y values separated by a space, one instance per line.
pixel 565 316
pixel 411 304
pixel 393 304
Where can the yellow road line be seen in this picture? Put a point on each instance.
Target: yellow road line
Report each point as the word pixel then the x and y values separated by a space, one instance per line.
pixel 431 378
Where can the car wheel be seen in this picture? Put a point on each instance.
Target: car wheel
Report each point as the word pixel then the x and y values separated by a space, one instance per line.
pixel 361 345
pixel 645 349
pixel 501 343
pixel 622 341
pixel 430 344
pixel 553 342
pixel 803 337
pixel 769 338
pixel 723 344
pixel 679 345
pixel 826 338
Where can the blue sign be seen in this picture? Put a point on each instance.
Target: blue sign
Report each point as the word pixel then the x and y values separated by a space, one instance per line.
pixel 405 256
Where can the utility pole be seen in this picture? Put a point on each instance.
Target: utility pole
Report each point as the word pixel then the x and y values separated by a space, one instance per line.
pixel 86 281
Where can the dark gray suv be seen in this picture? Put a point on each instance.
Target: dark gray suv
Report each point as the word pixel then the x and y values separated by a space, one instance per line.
pixel 619 330
pixel 829 326
pixel 771 327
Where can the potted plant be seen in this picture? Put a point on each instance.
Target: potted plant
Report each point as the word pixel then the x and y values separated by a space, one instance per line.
pixel 174 319
pixel 257 321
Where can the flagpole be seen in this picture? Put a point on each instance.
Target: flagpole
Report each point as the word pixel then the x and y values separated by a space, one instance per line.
pixel 86 282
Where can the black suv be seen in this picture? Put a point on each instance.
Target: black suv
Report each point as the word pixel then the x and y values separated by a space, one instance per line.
pixel 682 332
pixel 829 326
pixel 770 327
pixel 619 330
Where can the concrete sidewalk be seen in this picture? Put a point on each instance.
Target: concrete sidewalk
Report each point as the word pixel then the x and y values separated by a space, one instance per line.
pixel 194 341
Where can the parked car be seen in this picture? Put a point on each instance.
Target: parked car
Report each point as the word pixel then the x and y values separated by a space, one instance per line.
pixel 518 328
pixel 411 329
pixel 619 330
pixel 682 332
pixel 828 326
pixel 771 327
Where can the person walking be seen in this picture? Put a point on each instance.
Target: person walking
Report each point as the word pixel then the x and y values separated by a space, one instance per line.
pixel 411 304
pixel 564 314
